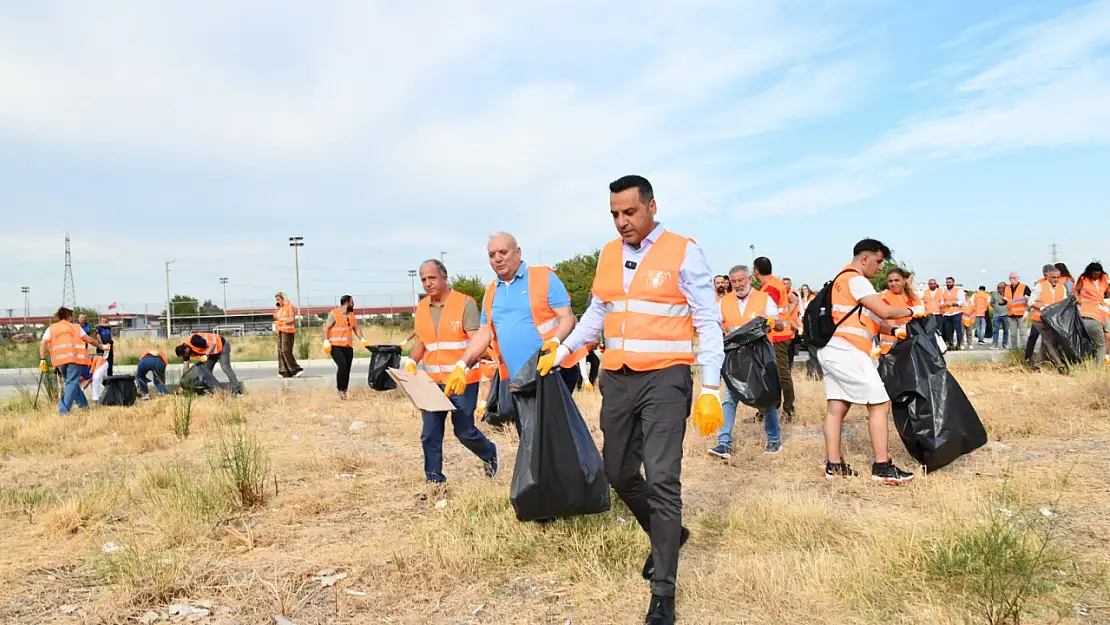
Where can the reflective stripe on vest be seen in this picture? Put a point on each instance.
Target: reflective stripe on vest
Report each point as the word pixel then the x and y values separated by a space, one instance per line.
pixel 544 318
pixel 783 302
pixel 340 334
pixel 66 346
pixel 858 328
pixel 731 315
pixel 650 326
pixel 1015 307
pixel 1049 295
pixel 1090 297
pixel 284 317
pixel 445 343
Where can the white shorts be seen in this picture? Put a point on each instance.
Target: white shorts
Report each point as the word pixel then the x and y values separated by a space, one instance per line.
pixel 851 376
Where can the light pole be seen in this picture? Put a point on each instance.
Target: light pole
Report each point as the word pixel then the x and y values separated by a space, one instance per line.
pixel 169 302
pixel 297 243
pixel 752 248
pixel 223 282
pixel 441 256
pixel 412 276
pixel 26 290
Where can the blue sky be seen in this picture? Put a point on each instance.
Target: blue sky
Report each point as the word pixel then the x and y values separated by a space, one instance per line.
pixel 966 135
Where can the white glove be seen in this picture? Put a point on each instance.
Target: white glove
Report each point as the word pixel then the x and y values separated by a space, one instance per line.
pixel 716 392
pixel 327 343
pixel 406 361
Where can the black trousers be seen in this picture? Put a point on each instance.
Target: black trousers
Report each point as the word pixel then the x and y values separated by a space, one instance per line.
pixel 643 417
pixel 344 357
pixel 1034 332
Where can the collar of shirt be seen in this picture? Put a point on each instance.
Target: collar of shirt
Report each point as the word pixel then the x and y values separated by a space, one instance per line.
pixel 520 272
pixel 649 240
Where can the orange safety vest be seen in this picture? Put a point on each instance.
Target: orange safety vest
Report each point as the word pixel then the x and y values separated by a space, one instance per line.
pixel 783 301
pixel 1015 307
pixel 1088 294
pixel 155 353
pixel 1049 295
pixel 341 333
pixel 982 302
pixel 444 345
pixel 649 327
pixel 731 315
pixel 933 301
pixel 539 282
pixel 886 341
pixel 860 327
pixel 66 346
pixel 487 368
pixel 215 343
pixel 285 318
pixel 952 300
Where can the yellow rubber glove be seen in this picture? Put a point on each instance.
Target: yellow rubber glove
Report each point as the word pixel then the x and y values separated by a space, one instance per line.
pixel 42 366
pixel 408 365
pixel 327 347
pixel 587 386
pixel 456 382
pixel 708 415
pixel 480 409
pixel 550 360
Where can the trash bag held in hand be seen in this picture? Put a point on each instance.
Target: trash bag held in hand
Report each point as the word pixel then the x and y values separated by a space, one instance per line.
pixel 198 380
pixel 383 357
pixel 1063 320
pixel 558 470
pixel 750 371
pixel 500 405
pixel 934 417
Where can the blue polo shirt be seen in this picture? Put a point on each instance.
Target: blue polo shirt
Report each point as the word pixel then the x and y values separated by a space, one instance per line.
pixel 512 317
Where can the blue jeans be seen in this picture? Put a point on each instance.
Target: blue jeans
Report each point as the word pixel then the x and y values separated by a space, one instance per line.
pixel 980 328
pixel 462 419
pixel 728 405
pixel 71 391
pixel 1000 326
pixel 152 365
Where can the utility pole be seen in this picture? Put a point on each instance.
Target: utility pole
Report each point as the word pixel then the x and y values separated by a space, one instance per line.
pixel 441 255
pixel 297 243
pixel 412 276
pixel 1055 252
pixel 223 282
pixel 26 305
pixel 169 302
pixel 752 248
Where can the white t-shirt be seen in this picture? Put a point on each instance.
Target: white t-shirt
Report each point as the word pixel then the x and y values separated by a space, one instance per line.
pixel 46 335
pixel 860 287
pixel 772 309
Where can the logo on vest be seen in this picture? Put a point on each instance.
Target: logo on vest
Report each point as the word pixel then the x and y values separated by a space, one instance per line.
pixel 658 278
pixel 455 326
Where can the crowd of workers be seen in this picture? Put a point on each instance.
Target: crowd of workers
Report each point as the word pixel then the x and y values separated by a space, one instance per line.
pixel 652 293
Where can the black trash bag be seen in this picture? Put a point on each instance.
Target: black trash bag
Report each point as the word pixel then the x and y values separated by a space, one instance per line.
pixel 119 390
pixel 750 371
pixel 198 380
pixel 934 417
pixel 558 470
pixel 383 357
pixel 500 404
pixel 1065 323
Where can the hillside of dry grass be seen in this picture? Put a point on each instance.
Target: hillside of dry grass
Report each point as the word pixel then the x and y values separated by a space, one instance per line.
pixel 277 506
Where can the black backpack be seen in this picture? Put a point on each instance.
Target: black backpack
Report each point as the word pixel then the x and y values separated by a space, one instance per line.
pixel 817 320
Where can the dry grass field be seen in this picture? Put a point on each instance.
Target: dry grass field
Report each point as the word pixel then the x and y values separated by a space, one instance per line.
pixel 276 506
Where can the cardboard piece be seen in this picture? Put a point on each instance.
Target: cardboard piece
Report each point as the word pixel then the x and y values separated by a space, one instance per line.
pixel 422 390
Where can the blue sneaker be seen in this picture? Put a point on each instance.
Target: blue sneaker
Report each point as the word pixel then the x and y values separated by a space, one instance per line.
pixel 772 448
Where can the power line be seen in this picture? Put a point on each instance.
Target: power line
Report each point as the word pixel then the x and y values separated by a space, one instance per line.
pixel 69 294
pixel 1055 252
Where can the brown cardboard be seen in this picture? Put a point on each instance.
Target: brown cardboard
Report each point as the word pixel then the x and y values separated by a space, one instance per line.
pixel 424 393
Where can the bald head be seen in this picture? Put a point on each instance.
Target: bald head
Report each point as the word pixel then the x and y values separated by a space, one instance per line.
pixel 1013 278
pixel 504 255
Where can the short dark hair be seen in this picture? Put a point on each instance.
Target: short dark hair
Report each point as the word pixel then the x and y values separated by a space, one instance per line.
pixel 874 246
pixel 346 299
pixel 950 278
pixel 180 351
pixel 982 288
pixel 64 313
pixel 762 266
pixel 625 183
pixel 440 267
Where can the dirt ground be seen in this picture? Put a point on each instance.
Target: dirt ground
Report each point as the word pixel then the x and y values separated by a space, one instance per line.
pixel 107 517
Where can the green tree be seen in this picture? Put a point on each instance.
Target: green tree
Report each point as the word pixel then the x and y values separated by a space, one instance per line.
pixel 92 314
pixel 208 308
pixel 577 274
pixel 183 306
pixel 469 285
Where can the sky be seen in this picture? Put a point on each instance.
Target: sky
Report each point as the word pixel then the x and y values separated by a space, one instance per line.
pixel 968 136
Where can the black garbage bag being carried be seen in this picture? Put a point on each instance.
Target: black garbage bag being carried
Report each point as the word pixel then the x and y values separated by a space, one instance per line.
pixel 1065 323
pixel 750 370
pixel 119 390
pixel 198 380
pixel 934 417
pixel 500 404
pixel 383 357
pixel 558 469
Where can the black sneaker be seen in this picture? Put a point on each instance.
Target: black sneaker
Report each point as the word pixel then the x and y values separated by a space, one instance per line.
pixel 838 469
pixel 649 564
pixel 722 451
pixel 660 611
pixel 493 464
pixel 888 473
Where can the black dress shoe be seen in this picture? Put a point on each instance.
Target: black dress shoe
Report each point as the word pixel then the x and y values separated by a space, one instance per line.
pixel 649 564
pixel 661 611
